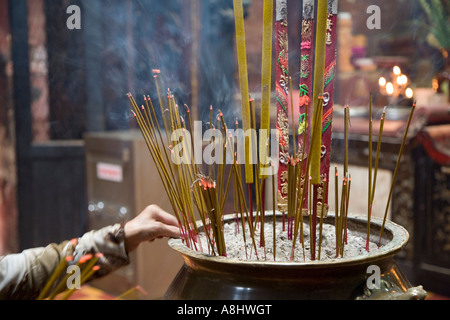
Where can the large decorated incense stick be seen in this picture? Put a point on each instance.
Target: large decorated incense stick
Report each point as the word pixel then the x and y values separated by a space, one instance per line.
pixel 305 87
pixel 307 77
pixel 328 101
pixel 282 91
pixel 321 81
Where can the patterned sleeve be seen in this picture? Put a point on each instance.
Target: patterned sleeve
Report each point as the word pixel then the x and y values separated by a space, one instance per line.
pixel 24 275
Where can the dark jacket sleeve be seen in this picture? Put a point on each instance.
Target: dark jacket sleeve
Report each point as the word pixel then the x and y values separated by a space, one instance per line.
pixel 24 275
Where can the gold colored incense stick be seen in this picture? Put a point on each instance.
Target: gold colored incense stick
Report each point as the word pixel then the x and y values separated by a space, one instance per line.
pixel 377 158
pixel 243 81
pixel 321 220
pixel 369 197
pixel 266 72
pixel 402 147
pixel 319 70
pixel 60 287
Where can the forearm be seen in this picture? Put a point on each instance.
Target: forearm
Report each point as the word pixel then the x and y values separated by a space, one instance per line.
pixel 24 275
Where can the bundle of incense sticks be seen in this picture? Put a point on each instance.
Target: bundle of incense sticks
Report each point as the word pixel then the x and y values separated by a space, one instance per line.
pixel 304 183
pixel 56 286
pixel 189 190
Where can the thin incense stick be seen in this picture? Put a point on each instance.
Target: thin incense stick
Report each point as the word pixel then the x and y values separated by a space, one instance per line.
pixel 55 275
pixel 346 134
pixel 60 287
pixel 132 294
pixel 377 158
pixel 321 220
pixel 369 196
pixel 347 206
pixel 84 278
pixel 342 217
pixel 274 213
pixel 402 147
pixel 59 269
pixel 255 166
pixel 305 187
pixel 336 214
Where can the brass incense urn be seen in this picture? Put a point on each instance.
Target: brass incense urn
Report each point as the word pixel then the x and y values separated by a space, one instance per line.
pixel 204 277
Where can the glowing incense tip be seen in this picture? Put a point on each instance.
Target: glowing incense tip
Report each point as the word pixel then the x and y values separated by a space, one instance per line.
pixel 68 259
pixel 96 268
pixel 157 71
pixel 85 258
pixel 74 242
pixel 140 289
pixel 99 255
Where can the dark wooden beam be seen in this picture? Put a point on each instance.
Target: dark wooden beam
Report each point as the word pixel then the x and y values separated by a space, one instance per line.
pixel 22 116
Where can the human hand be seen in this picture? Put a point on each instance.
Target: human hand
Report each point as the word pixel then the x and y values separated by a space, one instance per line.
pixel 152 223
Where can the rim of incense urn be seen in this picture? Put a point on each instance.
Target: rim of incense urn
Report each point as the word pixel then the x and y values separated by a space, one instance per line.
pixel 394 238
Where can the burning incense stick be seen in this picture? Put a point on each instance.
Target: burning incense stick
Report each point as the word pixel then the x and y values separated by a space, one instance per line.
pixel 402 147
pixel 274 217
pixel 55 275
pixel 342 217
pixel 336 214
pixel 62 265
pixel 369 196
pixel 84 278
pixel 347 205
pixel 132 294
pixel 60 287
pixel 321 221
pixel 377 158
pixel 304 189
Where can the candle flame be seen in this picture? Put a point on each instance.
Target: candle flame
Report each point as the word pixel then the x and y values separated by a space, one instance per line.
pixel 403 80
pixel 390 88
pixel 409 93
pixel 397 71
